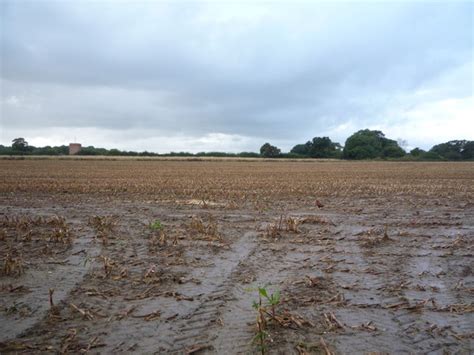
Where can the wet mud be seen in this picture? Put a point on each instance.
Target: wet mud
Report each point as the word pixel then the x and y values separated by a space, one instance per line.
pixel 360 274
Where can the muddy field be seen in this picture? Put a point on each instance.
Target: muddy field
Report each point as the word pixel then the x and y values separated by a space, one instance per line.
pixel 168 257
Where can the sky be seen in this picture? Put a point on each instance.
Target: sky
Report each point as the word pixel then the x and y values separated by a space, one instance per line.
pixel 230 76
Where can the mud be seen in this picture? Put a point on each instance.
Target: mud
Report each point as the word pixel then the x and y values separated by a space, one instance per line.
pixel 389 274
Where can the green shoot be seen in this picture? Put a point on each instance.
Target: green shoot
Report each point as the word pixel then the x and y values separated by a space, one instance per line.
pixel 272 300
pixel 156 225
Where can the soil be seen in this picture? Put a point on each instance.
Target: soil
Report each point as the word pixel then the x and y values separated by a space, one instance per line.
pixel 365 272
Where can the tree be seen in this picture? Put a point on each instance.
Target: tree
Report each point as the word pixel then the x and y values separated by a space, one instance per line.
pixel 431 156
pixel 20 145
pixel 302 149
pixel 468 150
pixel 455 150
pixel 269 151
pixel 367 144
pixel 393 151
pixel 323 147
pixel 114 152
pixel 90 150
pixel 319 147
pixel 416 152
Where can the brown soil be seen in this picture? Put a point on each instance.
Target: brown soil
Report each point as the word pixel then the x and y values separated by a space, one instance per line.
pixel 386 265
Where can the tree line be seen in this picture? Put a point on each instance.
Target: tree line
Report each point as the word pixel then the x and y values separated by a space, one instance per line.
pixel 21 147
pixel 364 144
pixel 371 144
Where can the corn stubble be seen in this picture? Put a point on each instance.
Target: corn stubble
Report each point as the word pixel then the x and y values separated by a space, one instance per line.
pixel 265 189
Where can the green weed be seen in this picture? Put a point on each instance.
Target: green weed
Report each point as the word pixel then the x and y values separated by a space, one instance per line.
pixel 156 225
pixel 266 301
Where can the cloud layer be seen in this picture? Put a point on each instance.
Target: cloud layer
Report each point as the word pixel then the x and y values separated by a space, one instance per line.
pixel 228 76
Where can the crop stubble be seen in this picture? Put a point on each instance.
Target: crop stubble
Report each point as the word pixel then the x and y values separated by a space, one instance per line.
pixel 385 264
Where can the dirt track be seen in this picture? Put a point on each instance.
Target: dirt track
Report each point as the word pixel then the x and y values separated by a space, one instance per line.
pixel 382 268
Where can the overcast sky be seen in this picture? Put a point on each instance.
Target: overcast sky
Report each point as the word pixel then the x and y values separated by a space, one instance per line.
pixel 229 76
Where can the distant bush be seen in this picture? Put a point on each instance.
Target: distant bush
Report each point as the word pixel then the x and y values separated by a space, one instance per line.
pixel 293 156
pixel 430 156
pixel 248 155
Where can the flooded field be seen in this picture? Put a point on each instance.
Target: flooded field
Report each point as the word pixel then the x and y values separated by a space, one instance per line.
pixel 236 257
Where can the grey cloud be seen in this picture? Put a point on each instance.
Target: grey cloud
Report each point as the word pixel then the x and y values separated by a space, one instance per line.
pixel 280 71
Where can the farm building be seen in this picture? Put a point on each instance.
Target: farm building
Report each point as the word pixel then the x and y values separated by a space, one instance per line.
pixel 74 148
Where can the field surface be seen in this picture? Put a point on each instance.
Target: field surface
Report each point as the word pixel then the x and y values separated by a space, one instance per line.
pixel 167 256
